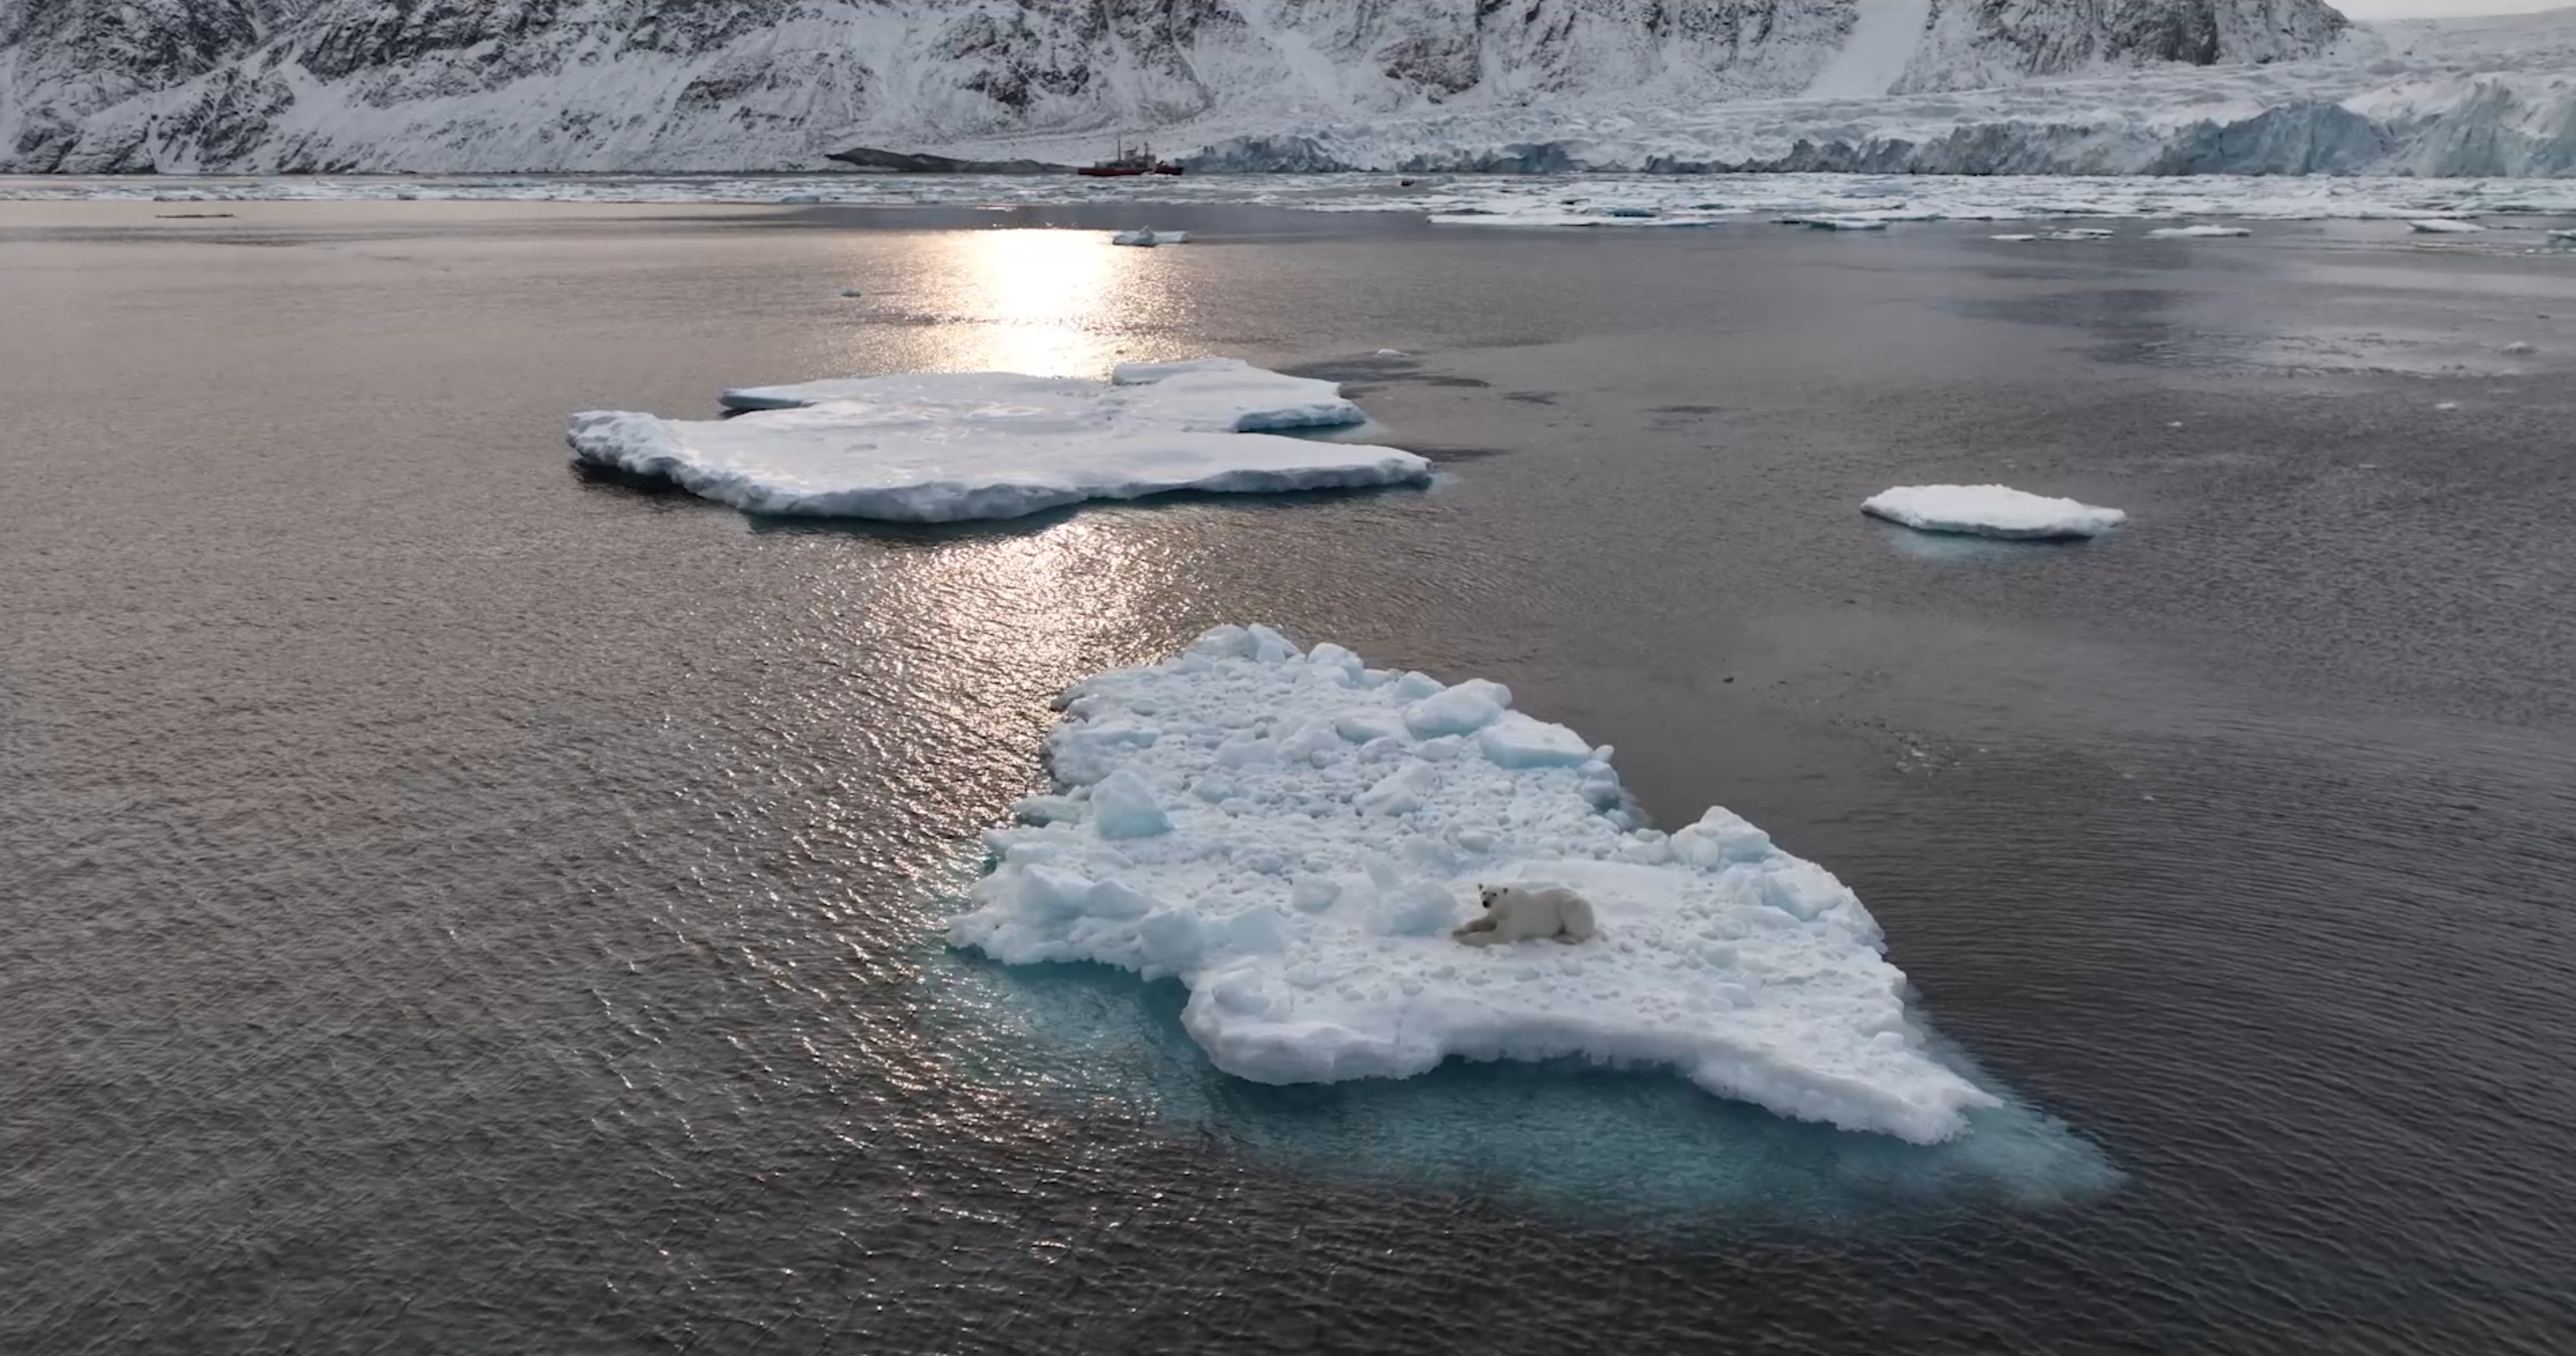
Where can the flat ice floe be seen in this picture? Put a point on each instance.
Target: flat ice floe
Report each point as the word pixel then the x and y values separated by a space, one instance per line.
pixel 2444 226
pixel 2199 232
pixel 1150 238
pixel 1990 511
pixel 1292 834
pixel 947 446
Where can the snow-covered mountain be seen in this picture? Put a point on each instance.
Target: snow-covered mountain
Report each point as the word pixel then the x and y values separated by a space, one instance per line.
pixel 495 85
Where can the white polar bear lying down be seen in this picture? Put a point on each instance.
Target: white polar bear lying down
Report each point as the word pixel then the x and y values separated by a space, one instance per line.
pixel 1516 913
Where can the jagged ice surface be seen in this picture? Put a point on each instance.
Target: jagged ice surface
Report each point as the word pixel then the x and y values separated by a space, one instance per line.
pixel 949 446
pixel 1291 834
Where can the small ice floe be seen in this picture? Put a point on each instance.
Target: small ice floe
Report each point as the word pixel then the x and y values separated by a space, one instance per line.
pixel 936 447
pixel 1388 353
pixel 2016 238
pixel 2080 233
pixel 2444 226
pixel 851 293
pixel 1149 238
pixel 1990 511
pixel 2200 232
pixel 1835 223
pixel 2517 347
pixel 1291 834
pixel 2448 405
pixel 800 200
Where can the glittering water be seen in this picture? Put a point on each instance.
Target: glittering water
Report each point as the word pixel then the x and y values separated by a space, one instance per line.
pixel 447 903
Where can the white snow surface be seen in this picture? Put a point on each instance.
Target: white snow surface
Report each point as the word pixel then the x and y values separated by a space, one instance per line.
pixel 1292 834
pixel 1990 511
pixel 258 86
pixel 949 446
pixel 1873 59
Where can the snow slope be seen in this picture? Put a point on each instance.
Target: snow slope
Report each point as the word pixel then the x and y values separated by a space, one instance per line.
pixel 1874 58
pixel 938 447
pixel 1292 834
pixel 1898 86
pixel 447 85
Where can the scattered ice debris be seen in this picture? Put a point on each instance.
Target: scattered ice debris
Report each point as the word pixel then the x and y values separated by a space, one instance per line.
pixel 2444 226
pixel 1990 511
pixel 1323 824
pixel 2517 347
pixel 2200 232
pixel 947 446
pixel 2567 236
pixel 1149 238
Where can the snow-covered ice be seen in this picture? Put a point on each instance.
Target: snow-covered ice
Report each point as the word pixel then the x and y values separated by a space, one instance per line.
pixel 1291 834
pixel 2444 226
pixel 1149 238
pixel 1626 201
pixel 2199 232
pixel 948 446
pixel 1990 511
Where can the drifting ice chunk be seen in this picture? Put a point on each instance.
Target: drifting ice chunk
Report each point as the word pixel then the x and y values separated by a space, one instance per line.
pixel 1464 709
pixel 2444 226
pixel 2199 232
pixel 1516 741
pixel 1837 223
pixel 2080 233
pixel 1313 939
pixel 2018 237
pixel 1149 238
pixel 1989 511
pixel 946 446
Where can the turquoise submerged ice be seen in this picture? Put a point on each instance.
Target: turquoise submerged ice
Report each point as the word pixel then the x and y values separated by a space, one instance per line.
pixel 1291 834
pixel 948 446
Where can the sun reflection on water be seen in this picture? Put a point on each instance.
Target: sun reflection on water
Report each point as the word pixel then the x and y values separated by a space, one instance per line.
pixel 1047 302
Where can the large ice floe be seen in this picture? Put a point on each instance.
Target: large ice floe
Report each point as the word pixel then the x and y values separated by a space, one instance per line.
pixel 1990 511
pixel 948 446
pixel 1291 834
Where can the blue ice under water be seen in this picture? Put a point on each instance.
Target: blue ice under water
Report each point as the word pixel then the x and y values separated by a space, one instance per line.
pixel 1564 1137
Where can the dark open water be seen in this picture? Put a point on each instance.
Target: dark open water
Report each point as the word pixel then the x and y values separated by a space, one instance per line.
pixel 447 904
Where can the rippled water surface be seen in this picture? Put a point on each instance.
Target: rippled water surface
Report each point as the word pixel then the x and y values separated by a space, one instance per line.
pixel 448 903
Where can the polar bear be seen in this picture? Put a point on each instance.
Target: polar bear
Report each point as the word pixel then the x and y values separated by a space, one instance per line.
pixel 1516 913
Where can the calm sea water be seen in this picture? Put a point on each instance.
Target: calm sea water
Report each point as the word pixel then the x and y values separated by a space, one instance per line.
pixel 448 903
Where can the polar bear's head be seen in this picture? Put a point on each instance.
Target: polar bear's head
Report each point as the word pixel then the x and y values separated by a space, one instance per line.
pixel 1487 894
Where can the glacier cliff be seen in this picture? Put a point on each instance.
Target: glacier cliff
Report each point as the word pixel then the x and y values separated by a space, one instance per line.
pixel 1972 86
